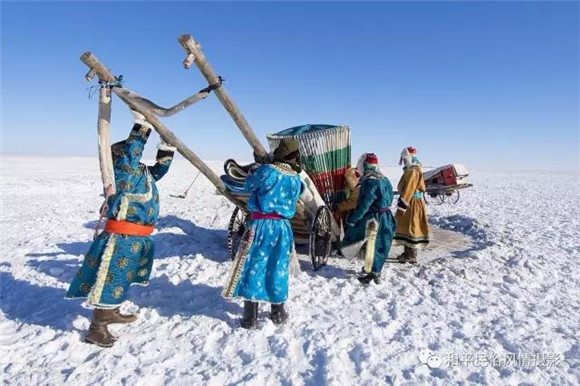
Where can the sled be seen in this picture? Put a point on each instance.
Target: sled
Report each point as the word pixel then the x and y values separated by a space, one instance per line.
pixel 314 222
pixel 444 183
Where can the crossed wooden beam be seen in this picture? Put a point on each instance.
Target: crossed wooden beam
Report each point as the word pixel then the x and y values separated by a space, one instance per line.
pixel 152 111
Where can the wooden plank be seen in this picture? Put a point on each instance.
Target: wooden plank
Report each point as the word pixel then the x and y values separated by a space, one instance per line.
pixel 300 223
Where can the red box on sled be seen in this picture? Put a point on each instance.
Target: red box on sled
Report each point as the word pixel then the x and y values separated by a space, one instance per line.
pixel 447 175
pixel 444 177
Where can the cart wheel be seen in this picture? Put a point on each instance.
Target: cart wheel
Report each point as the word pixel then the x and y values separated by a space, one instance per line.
pixel 440 198
pixel 429 198
pixel 320 238
pixel 453 196
pixel 236 231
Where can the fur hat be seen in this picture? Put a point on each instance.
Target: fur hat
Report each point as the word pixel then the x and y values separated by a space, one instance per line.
pixel 371 159
pixel 367 161
pixel 409 157
pixel 288 152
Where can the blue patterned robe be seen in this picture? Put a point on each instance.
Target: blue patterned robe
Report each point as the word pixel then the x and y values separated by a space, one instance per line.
pixel 376 195
pixel 260 271
pixel 114 262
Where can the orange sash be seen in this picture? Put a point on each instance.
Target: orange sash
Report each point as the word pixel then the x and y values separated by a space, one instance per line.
pixel 127 228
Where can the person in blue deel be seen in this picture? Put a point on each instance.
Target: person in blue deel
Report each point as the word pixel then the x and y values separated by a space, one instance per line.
pixel 260 271
pixel 122 255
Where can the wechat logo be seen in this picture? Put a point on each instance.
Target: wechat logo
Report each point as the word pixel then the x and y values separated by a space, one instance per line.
pixel 429 358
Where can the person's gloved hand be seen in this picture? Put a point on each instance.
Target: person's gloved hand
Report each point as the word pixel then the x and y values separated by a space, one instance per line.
pixel 139 118
pixel 137 115
pixel 164 146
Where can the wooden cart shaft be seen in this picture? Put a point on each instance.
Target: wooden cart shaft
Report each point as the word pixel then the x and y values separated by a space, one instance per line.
pixel 196 56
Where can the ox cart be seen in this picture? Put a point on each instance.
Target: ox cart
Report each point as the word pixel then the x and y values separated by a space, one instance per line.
pixel 324 157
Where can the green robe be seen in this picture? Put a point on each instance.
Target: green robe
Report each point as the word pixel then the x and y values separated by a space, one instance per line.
pixel 372 219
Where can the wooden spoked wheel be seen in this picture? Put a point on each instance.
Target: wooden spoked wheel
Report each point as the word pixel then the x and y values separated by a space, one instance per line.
pixel 236 230
pixel 320 238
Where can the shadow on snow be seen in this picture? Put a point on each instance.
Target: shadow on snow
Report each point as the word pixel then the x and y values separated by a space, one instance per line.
pixel 186 299
pixel 194 240
pixel 33 304
pixel 46 306
pixel 467 226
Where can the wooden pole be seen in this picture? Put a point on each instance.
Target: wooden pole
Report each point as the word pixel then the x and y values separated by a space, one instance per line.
pixel 162 111
pixel 97 68
pixel 169 137
pixel 105 156
pixel 103 122
pixel 194 55
pixel 105 75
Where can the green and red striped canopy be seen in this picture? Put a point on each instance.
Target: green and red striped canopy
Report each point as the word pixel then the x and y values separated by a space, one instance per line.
pixel 324 154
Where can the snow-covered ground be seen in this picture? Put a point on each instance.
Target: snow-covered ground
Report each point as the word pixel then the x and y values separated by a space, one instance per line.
pixel 514 292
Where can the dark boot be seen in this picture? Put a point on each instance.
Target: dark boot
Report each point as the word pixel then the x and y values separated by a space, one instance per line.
pixel 118 317
pixel 404 257
pixel 98 333
pixel 250 319
pixel 366 279
pixel 412 256
pixel 278 314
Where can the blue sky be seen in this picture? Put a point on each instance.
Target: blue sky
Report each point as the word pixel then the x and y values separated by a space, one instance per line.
pixel 485 84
